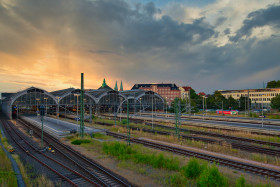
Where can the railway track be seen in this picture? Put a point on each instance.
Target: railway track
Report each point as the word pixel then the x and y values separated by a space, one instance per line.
pixel 235 142
pixel 103 176
pixel 66 173
pixel 216 118
pixel 223 161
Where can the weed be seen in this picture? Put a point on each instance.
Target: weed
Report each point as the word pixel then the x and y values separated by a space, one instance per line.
pixel 211 177
pixel 193 169
pixel 80 141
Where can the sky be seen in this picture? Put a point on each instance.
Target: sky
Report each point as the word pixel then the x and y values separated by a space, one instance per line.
pixel 206 44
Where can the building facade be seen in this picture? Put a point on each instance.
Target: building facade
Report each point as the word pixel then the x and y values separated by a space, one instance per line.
pixel 258 97
pixel 168 91
pixel 185 91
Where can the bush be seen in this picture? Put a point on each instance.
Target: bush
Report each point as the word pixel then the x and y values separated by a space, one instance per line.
pixel 124 121
pixel 124 152
pixel 193 169
pixel 241 182
pixel 211 177
pixel 177 180
pixel 93 117
pixel 80 141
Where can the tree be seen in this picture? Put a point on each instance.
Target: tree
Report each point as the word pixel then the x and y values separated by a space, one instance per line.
pixel 242 101
pixel 231 103
pixel 273 84
pixel 275 102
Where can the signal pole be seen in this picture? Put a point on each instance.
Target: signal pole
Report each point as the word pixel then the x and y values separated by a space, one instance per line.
pixel 128 128
pixel 82 107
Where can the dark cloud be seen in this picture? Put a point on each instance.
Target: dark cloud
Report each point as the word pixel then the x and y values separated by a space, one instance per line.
pixel 227 31
pixel 259 18
pixel 134 44
pixel 220 21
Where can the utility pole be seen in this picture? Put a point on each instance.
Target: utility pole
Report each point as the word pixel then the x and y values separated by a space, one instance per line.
pixel 248 104
pixel 82 107
pixel 190 110
pixel 152 112
pixel 128 127
pixel 222 107
pixel 245 108
pixel 203 106
pixel 177 108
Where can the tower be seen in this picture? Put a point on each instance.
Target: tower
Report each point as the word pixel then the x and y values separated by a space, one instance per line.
pixel 121 87
pixel 116 86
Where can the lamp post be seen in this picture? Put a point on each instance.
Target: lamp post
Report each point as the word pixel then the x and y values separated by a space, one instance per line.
pixel 166 107
pixel 37 105
pixel 57 109
pixel 140 105
pixel 152 112
pixel 203 106
pixel 46 102
pixel 262 109
pixel 77 107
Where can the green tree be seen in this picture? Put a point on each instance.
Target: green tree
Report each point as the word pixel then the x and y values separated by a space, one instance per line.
pixel 242 101
pixel 273 84
pixel 231 103
pixel 275 102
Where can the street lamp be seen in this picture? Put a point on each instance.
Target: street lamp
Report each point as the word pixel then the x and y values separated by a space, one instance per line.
pixel 140 105
pixel 203 105
pixel 57 108
pixel 77 107
pixel 166 107
pixel 37 105
pixel 262 109
pixel 46 102
pixel 152 112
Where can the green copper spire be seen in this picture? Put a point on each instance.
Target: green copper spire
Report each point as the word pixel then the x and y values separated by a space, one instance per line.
pixel 104 83
pixel 116 86
pixel 121 87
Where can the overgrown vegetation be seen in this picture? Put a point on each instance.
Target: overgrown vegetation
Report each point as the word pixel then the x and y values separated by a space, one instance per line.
pixel 211 177
pixel 80 141
pixel 7 175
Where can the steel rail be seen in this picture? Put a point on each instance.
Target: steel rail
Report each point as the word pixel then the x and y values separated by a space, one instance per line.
pixel 27 152
pixel 107 172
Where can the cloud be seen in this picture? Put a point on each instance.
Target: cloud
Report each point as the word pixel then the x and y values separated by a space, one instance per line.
pixel 53 41
pixel 259 18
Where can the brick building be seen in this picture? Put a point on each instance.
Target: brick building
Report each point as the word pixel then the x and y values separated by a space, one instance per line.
pixel 168 91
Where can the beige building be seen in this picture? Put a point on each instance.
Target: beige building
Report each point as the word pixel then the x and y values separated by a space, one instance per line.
pixel 257 96
pixel 184 91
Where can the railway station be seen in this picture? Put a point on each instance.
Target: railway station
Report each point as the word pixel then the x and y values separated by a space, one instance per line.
pixel 67 101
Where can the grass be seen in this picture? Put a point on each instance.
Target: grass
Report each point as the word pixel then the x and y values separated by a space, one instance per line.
pixel 80 141
pixel 225 148
pixel 7 175
pixel 123 152
pixel 29 177
pixel 154 163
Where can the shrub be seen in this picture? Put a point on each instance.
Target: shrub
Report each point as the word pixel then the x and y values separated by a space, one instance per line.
pixel 93 117
pixel 124 152
pixel 241 182
pixel 177 180
pixel 193 169
pixel 80 141
pixel 124 121
pixel 211 177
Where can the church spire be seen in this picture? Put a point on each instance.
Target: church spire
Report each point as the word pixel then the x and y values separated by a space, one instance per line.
pixel 104 83
pixel 121 87
pixel 116 86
